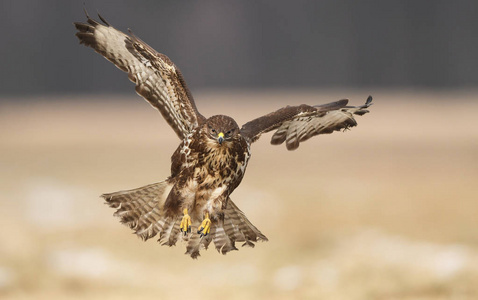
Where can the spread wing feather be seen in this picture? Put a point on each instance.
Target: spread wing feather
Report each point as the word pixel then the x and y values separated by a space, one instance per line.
pixel 157 79
pixel 295 124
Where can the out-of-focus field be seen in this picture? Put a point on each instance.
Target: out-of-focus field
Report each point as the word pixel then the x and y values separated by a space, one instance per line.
pixel 388 210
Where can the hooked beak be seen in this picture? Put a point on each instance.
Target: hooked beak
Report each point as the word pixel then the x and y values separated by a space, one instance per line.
pixel 220 138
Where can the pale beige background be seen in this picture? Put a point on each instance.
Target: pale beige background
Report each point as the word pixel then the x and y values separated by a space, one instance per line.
pixel 388 210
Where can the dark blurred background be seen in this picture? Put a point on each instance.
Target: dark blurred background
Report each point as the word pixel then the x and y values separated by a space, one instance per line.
pixel 247 43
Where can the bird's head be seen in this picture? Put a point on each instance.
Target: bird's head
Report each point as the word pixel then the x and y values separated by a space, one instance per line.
pixel 221 129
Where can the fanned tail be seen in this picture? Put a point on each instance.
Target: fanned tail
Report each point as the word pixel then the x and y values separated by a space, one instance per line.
pixel 141 209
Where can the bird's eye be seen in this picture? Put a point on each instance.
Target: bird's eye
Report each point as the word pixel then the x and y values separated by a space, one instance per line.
pixel 229 132
pixel 213 130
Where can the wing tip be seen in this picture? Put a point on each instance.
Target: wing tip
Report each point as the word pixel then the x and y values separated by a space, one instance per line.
pixel 92 21
pixel 86 12
pixel 103 19
pixel 292 144
pixel 361 110
pixel 333 105
pixel 369 101
pixel 343 102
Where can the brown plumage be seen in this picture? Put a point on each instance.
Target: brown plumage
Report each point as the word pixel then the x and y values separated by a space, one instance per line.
pixel 212 157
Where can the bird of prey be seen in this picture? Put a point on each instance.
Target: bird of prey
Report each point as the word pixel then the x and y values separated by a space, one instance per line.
pixel 193 204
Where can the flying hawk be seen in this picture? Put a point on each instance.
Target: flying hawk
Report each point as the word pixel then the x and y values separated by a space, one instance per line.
pixel 193 204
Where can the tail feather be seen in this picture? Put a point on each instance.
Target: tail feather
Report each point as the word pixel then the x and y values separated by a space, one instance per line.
pixel 246 231
pixel 166 232
pixel 231 230
pixel 175 233
pixel 141 209
pixel 235 228
pixel 147 232
pixel 194 245
pixel 208 238
pixel 222 241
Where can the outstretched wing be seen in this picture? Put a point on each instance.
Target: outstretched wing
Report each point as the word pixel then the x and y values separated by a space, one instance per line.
pixel 296 124
pixel 157 79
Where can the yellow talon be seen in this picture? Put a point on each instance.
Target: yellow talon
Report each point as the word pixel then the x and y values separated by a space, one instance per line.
pixel 205 226
pixel 186 222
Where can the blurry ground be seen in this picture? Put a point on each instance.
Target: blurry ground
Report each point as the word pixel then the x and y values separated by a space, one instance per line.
pixel 388 210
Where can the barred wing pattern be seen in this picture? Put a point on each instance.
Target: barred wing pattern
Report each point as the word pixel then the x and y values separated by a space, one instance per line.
pixel 157 79
pixel 296 124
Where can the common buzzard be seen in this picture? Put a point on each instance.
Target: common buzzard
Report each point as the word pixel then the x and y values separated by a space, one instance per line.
pixel 193 204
